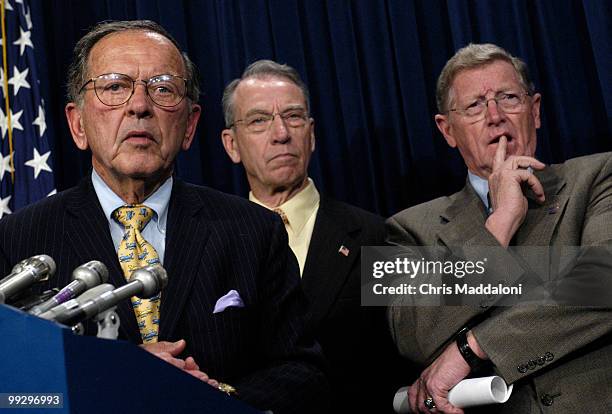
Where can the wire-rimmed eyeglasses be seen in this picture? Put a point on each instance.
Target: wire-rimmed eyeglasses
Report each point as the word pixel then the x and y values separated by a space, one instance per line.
pixel 114 89
pixel 508 102
pixel 261 121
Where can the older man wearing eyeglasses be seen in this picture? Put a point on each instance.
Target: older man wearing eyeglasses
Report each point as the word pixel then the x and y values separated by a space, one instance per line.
pixel 554 355
pixel 270 131
pixel 233 309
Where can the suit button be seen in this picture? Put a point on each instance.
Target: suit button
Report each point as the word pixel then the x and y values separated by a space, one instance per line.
pixel 547 400
pixel 549 356
pixel 484 304
pixel 531 364
pixel 522 368
pixel 541 360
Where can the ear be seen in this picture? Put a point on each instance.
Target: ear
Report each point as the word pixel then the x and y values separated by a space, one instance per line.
pixel 228 137
pixel 192 123
pixel 536 100
pixel 75 123
pixel 445 127
pixel 312 135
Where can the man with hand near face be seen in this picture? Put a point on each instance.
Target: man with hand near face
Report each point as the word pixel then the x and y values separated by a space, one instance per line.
pixel 232 309
pixel 269 129
pixel 554 355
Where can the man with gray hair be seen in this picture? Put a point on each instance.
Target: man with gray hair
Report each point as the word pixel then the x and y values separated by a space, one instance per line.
pixel 269 129
pixel 232 309
pixel 554 355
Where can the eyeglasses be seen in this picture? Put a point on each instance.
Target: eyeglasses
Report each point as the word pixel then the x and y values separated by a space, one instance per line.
pixel 114 89
pixel 510 103
pixel 261 122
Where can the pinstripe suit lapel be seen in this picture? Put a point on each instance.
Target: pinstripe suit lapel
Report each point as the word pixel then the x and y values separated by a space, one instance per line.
pixel 186 238
pixel 89 236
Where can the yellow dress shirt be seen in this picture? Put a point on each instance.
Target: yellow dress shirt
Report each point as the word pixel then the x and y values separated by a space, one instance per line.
pixel 301 211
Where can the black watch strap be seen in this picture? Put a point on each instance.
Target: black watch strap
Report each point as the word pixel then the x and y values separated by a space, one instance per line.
pixel 466 352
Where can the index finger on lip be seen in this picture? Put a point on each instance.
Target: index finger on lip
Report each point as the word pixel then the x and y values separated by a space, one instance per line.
pixel 500 153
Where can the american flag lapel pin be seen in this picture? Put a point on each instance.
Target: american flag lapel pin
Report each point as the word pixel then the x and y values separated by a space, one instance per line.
pixel 343 250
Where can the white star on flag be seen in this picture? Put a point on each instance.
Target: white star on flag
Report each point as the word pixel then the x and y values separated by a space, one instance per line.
pixel 4 208
pixel 23 41
pixel 5 165
pixel 39 162
pixel 29 127
pixel 40 121
pixel 19 80
pixel 14 121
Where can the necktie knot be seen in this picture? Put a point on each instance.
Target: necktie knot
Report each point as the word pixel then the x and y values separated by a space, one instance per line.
pixel 136 216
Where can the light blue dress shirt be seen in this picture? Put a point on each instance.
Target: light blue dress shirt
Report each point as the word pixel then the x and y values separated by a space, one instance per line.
pixel 481 186
pixel 155 231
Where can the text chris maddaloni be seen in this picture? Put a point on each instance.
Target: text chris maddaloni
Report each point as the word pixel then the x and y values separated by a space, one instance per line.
pixel 485 289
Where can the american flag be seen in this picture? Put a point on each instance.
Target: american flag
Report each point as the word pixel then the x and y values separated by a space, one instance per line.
pixel 26 173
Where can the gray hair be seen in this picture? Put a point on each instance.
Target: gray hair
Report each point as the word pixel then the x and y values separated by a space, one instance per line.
pixel 77 71
pixel 261 69
pixel 473 56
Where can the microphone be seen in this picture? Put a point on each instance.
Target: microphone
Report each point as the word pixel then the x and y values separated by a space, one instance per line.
pixel 28 272
pixel 16 269
pixel 144 283
pixel 86 296
pixel 84 277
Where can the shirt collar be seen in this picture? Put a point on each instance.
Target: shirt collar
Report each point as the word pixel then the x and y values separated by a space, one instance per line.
pixel 481 186
pixel 298 208
pixel 158 201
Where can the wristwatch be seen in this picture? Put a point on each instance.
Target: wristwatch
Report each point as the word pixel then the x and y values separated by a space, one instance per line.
pixel 466 352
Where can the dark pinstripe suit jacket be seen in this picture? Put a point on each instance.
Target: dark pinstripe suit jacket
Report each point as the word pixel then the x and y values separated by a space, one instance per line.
pixel 215 242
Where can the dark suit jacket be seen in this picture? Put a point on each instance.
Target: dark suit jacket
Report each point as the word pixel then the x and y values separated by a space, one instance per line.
pixel 215 242
pixel 355 339
pixel 558 357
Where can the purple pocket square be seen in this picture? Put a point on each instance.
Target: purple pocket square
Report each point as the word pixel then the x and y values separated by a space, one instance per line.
pixel 231 298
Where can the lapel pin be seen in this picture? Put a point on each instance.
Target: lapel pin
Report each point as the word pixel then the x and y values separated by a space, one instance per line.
pixel 343 250
pixel 553 209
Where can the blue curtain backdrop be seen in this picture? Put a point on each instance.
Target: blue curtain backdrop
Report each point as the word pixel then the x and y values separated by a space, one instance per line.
pixel 371 66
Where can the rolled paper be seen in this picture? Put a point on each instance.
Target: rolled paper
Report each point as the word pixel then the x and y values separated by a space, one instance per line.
pixel 467 393
pixel 479 391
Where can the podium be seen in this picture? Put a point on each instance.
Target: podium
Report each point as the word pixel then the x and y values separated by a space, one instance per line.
pixel 96 375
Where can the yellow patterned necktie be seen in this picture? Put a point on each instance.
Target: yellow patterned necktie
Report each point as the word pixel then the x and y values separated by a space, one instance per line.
pixel 135 252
